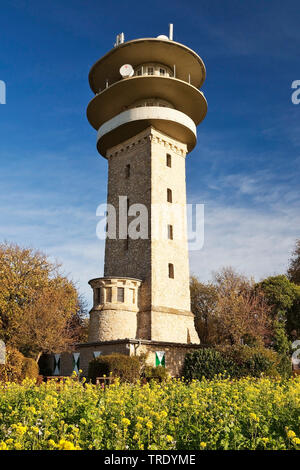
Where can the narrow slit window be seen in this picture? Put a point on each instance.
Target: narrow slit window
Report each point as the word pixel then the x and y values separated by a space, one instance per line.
pixel 169 195
pixel 120 294
pixel 171 271
pixel 127 171
pixel 170 232
pixel 169 160
pixel 98 296
pixel 132 295
pixel 108 294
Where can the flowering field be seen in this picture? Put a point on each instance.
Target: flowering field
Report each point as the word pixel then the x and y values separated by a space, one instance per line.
pixel 221 414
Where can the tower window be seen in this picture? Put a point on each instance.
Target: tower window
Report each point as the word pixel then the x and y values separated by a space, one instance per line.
pixel 132 295
pixel 120 294
pixel 150 71
pixel 169 160
pixel 98 296
pixel 171 270
pixel 127 171
pixel 162 72
pixel 108 294
pixel 169 195
pixel 170 232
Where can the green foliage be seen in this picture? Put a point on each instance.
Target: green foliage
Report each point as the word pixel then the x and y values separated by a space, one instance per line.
pixel 158 373
pixel 127 368
pixel 236 362
pixel 279 292
pixel 284 366
pixel 281 341
pixel 30 368
pixel 254 361
pixel 284 297
pixel 206 362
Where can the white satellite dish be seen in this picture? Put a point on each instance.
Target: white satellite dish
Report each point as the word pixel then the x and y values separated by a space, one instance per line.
pixel 126 71
pixel 162 36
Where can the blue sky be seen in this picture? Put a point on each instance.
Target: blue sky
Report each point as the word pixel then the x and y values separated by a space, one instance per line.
pixel 245 168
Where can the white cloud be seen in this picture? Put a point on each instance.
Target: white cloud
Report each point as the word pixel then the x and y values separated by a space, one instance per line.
pixel 257 243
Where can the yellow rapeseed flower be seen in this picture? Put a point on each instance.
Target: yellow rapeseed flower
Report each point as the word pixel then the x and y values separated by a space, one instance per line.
pixel 291 434
pixel 254 417
pixel 20 429
pixel 3 445
pixel 66 445
pixel 52 443
pixel 125 421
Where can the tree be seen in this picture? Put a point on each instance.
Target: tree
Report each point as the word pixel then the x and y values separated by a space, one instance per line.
pixel 294 265
pixel 242 312
pixel 279 292
pixel 39 308
pixel 230 310
pixel 293 316
pixel 283 296
pixel 203 303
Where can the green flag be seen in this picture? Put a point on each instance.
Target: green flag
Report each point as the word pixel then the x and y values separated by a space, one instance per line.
pixel 160 358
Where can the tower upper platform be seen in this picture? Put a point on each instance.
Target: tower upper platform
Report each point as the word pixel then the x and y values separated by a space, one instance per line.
pixel 162 91
pixel 187 62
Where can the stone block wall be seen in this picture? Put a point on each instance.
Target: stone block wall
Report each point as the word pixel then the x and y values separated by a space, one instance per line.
pixel 143 169
pixel 174 354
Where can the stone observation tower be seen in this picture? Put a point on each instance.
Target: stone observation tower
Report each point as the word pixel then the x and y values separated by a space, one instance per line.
pixel 146 107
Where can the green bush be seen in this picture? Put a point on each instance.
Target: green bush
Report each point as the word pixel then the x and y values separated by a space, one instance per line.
pixel 284 366
pixel 127 368
pixel 236 362
pixel 257 361
pixel 30 368
pixel 206 362
pixel 259 364
pixel 158 373
pixel 253 361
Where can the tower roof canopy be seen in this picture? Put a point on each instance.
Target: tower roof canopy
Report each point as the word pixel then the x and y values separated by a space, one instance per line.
pixel 188 65
pixel 118 97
